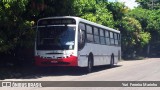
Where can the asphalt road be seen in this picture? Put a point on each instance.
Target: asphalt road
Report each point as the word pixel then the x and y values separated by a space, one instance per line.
pixel 135 70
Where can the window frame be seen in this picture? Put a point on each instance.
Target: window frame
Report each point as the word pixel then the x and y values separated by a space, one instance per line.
pixel 80 48
pixel 107 38
pixel 96 35
pixel 89 33
pixel 102 31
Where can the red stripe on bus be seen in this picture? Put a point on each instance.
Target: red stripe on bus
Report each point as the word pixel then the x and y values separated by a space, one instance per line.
pixel 70 61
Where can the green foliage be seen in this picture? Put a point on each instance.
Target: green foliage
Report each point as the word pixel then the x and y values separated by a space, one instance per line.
pixel 93 11
pixel 141 15
pixel 149 19
pixel 149 4
pixel 138 26
pixel 154 20
pixel 54 8
pixel 145 38
pixel 118 10
pixel 13 25
pixel 133 38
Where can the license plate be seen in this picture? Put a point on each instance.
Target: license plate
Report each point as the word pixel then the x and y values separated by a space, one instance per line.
pixel 54 61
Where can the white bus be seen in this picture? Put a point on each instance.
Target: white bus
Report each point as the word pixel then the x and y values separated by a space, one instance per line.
pixel 73 41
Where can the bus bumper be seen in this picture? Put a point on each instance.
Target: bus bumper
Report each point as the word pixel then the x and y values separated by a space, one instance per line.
pixel 70 61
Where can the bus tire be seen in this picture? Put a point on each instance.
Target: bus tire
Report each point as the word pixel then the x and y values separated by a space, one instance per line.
pixel 112 61
pixel 90 64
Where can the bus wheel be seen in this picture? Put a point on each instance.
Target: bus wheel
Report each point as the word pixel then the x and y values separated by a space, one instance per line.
pixel 112 61
pixel 90 64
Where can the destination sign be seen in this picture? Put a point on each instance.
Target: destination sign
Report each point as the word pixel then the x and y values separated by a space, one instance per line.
pixel 56 21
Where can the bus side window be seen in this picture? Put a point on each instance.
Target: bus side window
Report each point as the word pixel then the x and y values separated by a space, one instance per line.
pixel 102 38
pixel 81 36
pixel 96 35
pixel 119 39
pixel 116 38
pixel 112 38
pixel 107 37
pixel 89 34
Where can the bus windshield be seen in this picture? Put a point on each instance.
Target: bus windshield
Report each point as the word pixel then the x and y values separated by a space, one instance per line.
pixel 55 38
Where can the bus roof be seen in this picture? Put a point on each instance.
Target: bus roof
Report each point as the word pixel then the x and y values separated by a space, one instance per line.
pixel 83 20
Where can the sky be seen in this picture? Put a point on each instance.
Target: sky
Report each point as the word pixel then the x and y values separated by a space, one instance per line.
pixel 130 3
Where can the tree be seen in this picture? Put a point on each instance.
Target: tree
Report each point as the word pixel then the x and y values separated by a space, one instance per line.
pixel 49 8
pixel 118 10
pixel 133 38
pixel 93 11
pixel 149 4
pixel 13 25
pixel 150 21
pixel 17 18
